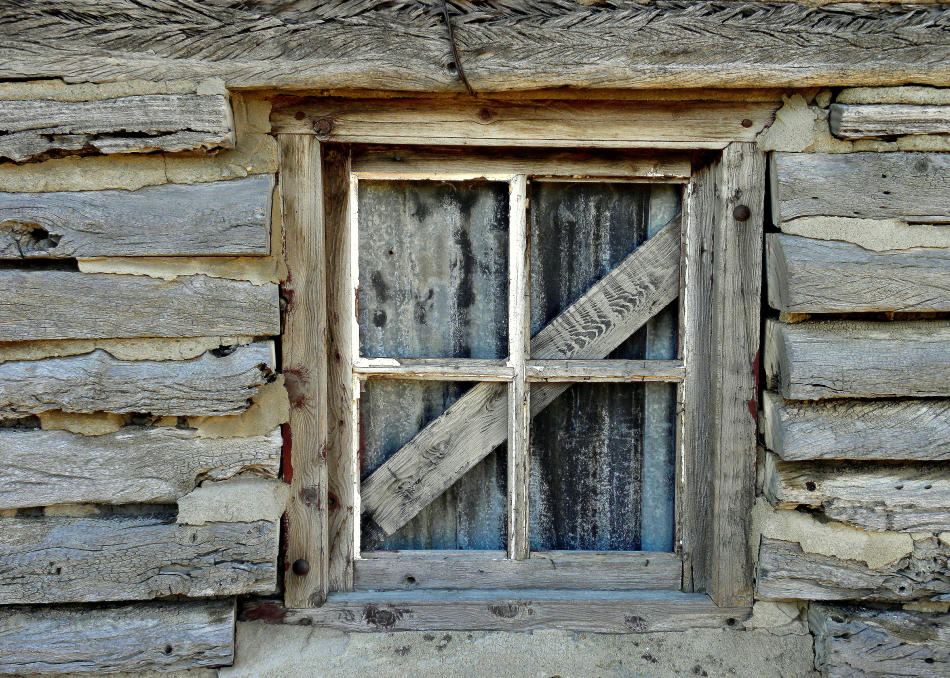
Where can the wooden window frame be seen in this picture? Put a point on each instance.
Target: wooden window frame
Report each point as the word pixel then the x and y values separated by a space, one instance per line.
pixel 720 269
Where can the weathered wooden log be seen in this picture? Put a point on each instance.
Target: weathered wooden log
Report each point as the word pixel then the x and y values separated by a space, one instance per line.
pixel 865 185
pixel 53 559
pixel 872 496
pixel 856 642
pixel 884 120
pixel 132 124
pixel 857 429
pixel 785 571
pixel 212 384
pixel 69 305
pixel 526 45
pixel 824 276
pixel 858 359
pixel 106 639
pixel 134 465
pixel 216 218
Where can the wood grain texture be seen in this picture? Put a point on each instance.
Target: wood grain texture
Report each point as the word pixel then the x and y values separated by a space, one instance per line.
pixel 534 123
pixel 863 185
pixel 132 124
pixel 601 320
pixel 565 570
pixel 873 496
pixel 886 430
pixel 826 276
pixel 216 218
pixel 105 639
pixel 593 611
pixel 433 369
pixel 856 642
pixel 134 465
pixel 886 120
pixel 66 560
pixel 504 46
pixel 304 347
pixel 785 571
pixel 604 370
pixel 857 359
pixel 69 305
pixel 212 384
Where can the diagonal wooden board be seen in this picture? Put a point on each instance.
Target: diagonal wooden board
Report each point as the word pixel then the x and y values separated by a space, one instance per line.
pixel 593 326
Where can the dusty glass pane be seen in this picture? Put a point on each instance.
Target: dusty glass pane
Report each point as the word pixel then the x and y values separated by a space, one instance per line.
pixel 433 278
pixel 469 515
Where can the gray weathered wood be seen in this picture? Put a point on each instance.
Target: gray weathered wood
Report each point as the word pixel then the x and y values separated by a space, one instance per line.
pixel 856 642
pixel 858 359
pixel 53 559
pixel 435 369
pixel 134 465
pixel 864 185
pixel 216 218
pixel 505 610
pixel 133 124
pixel 604 370
pixel 524 45
pixel 785 571
pixel 69 305
pixel 592 327
pixel 402 570
pixel 857 429
pixel 826 276
pixel 872 496
pixel 172 636
pixel 883 120
pixel 208 385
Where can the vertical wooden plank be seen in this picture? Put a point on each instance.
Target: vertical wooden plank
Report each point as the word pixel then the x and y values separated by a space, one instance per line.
pixel 304 368
pixel 737 278
pixel 342 471
pixel 519 348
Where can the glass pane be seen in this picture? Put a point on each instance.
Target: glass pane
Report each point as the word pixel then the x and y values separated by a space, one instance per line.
pixel 469 515
pixel 433 269
pixel 589 487
pixel 580 232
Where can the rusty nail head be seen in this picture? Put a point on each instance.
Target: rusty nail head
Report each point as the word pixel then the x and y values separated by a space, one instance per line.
pixel 747 123
pixel 300 115
pixel 323 125
pixel 300 567
pixel 741 213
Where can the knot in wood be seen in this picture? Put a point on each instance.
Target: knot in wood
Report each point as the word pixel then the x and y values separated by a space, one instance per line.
pixel 323 126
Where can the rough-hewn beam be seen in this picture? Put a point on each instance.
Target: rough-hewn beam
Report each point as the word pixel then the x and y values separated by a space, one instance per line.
pixel 52 559
pixel 857 429
pixel 133 124
pixel 216 218
pixel 69 305
pixel 106 639
pixel 856 642
pixel 872 496
pixel 858 359
pixel 134 465
pixel 827 276
pixel 882 120
pixel 912 186
pixel 522 45
pixel 215 383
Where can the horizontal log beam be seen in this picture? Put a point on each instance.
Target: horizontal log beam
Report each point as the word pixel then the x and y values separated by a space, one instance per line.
pixel 105 639
pixel 132 124
pixel 65 560
pixel 907 186
pixel 68 305
pixel 886 430
pixel 409 570
pixel 825 276
pixel 885 120
pixel 135 465
pixel 525 45
pixel 857 359
pixel 873 496
pixel 212 384
pixel 216 218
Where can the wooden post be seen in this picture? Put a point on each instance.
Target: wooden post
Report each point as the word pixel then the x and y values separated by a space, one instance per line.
pixel 304 368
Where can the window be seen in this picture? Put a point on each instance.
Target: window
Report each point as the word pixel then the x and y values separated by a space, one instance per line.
pixel 526 387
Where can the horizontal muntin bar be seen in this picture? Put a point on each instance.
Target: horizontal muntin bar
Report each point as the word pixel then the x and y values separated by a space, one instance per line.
pixel 604 370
